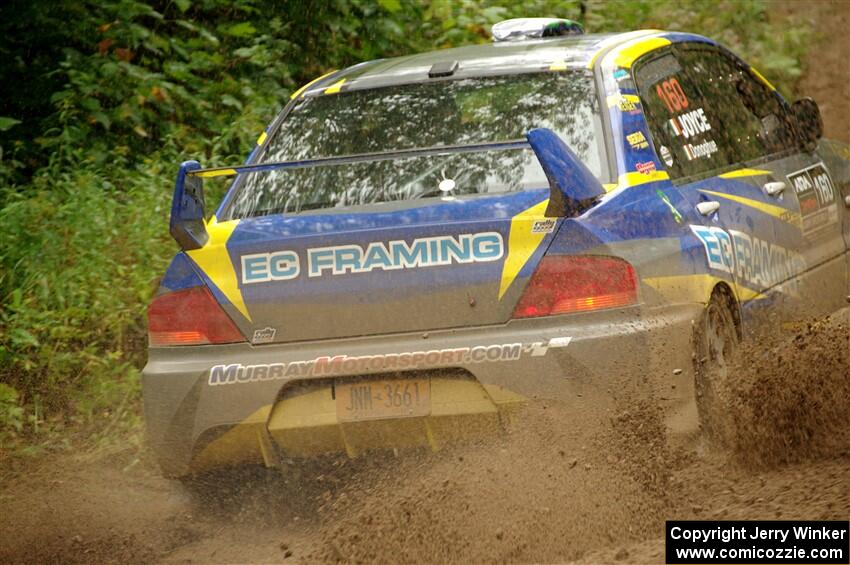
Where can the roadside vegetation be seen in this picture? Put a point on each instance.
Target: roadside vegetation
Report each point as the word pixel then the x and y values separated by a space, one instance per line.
pixel 99 103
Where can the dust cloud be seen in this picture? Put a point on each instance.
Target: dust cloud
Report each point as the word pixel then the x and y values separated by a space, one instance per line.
pixel 790 398
pixel 559 486
pixel 592 485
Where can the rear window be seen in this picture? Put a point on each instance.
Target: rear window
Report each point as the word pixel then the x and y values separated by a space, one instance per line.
pixel 455 112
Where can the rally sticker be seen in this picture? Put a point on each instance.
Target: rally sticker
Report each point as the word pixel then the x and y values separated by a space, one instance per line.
pixel 646 168
pixel 236 373
pixel 700 150
pixel 543 226
pixel 816 195
pixel 627 103
pixel 666 155
pixel 264 335
pixel 690 124
pixel 637 140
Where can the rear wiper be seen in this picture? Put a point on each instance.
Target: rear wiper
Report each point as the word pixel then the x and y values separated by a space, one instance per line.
pixel 431 194
pixel 316 206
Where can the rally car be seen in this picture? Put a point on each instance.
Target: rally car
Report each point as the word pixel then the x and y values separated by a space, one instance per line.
pixel 418 246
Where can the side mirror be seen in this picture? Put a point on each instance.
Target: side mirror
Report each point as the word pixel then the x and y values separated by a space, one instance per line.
pixel 573 187
pixel 809 121
pixel 187 209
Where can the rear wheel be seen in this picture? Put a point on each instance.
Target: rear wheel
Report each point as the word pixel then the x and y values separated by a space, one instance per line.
pixel 716 340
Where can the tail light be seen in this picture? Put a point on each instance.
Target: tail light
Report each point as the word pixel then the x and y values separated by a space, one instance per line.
pixel 190 317
pixel 564 284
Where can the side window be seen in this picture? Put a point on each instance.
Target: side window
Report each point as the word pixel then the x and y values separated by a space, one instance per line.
pixel 707 112
pixel 753 121
pixel 683 128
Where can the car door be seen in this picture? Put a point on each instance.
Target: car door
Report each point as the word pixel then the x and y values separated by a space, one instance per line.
pixel 693 135
pixel 790 182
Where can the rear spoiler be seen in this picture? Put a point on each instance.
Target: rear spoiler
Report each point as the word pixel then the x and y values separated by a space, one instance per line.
pixel 573 188
pixel 362 158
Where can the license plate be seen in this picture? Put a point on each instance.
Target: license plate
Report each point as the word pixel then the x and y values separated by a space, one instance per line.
pixel 375 400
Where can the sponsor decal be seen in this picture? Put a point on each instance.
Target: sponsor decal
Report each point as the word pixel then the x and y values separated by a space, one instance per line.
pixel 264 335
pixel 689 124
pixel 337 365
pixel 626 103
pixel 751 260
pixel 666 155
pixel 544 226
pixel 816 195
pixel 637 140
pixel 701 150
pixel 397 254
pixel 676 215
pixel 621 74
pixel 646 168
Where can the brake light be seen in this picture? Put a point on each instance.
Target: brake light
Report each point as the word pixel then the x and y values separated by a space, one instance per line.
pixel 580 283
pixel 190 317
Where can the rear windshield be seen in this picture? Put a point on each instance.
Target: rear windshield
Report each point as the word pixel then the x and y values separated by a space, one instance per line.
pixel 454 112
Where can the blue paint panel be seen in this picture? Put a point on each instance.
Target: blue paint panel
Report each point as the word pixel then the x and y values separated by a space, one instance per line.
pixel 181 274
pixel 300 233
pixel 678 37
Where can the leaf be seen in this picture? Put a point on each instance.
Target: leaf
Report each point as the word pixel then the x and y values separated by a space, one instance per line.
pixel 22 338
pixel 242 29
pixel 391 6
pixel 7 123
pixel 229 100
pixel 102 119
pixel 183 5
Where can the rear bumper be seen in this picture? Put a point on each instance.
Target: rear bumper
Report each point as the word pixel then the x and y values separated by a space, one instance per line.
pixel 215 405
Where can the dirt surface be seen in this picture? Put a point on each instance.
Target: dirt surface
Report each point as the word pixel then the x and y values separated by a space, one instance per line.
pixel 560 487
pixel 827 76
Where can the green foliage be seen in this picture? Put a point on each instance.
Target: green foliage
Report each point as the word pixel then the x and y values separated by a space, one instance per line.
pixel 75 286
pixel 775 48
pixel 102 100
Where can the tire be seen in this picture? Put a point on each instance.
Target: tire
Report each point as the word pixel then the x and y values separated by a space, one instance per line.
pixel 716 339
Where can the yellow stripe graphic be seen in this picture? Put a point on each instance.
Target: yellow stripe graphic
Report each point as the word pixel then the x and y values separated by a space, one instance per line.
pixel 616 40
pixel 695 288
pixel 521 243
pixel 630 53
pixel 262 138
pixel 214 259
pixel 335 87
pixel 743 173
pixel 298 92
pixel 761 78
pixel 212 174
pixel 769 209
pixel 635 178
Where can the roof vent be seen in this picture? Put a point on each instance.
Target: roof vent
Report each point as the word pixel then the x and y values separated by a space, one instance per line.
pixel 443 69
pixel 519 29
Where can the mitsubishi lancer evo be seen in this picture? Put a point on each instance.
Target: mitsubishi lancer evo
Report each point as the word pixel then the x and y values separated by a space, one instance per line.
pixel 419 246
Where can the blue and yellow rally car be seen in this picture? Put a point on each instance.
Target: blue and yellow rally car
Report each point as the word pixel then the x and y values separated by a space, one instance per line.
pixel 418 245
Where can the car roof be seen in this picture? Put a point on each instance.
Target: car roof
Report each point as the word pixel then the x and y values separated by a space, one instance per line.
pixel 559 53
